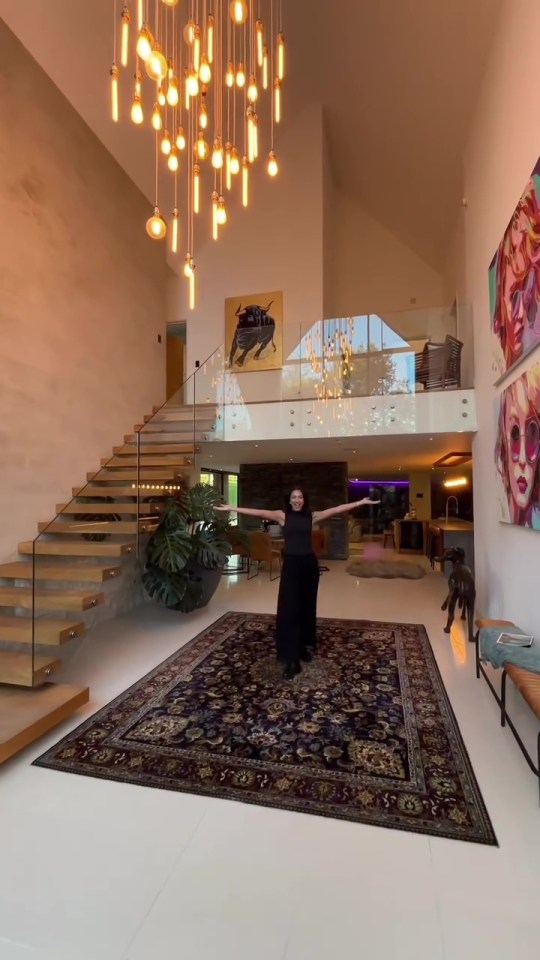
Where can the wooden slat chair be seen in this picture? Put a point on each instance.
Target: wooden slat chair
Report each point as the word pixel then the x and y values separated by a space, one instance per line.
pixel 438 366
pixel 262 549
pixel 238 549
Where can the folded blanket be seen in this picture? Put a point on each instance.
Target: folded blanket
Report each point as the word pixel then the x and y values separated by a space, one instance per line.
pixel 497 654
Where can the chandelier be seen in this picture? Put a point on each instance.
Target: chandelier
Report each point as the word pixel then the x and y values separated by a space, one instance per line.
pixel 329 351
pixel 203 70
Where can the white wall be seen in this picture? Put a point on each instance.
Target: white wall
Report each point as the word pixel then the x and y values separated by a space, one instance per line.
pixel 276 244
pixel 371 271
pixel 502 151
pixel 82 299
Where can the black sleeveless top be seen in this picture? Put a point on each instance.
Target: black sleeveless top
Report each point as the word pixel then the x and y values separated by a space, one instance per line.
pixel 297 534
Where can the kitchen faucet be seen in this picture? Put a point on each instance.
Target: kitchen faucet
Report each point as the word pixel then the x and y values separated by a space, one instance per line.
pixel 448 504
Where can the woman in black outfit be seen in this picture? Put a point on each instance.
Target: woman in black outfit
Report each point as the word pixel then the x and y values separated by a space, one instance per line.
pixel 297 598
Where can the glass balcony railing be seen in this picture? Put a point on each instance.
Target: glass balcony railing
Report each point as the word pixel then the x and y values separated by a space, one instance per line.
pixel 358 356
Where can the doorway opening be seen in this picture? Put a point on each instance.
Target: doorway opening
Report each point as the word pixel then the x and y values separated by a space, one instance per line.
pixel 176 360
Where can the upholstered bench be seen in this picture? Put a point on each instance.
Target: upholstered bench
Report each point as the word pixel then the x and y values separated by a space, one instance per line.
pixel 527 682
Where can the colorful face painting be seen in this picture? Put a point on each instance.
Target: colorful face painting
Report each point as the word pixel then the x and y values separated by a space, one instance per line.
pixel 517 450
pixel 514 282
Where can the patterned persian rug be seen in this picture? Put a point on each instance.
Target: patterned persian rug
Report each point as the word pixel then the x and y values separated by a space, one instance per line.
pixel 364 733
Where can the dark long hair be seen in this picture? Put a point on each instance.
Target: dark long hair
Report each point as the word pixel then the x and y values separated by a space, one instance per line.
pixel 305 508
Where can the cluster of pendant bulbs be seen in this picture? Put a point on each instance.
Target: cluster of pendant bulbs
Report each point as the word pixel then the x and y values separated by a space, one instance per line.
pixel 220 45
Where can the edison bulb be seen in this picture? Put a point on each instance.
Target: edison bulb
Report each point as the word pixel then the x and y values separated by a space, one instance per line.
pixel 252 91
pixel 221 212
pixel 205 72
pixel 240 76
pixel 156 65
pixel 173 95
pixel 166 145
pixel 157 122
pixel 136 110
pixel 238 11
pixel 192 83
pixel 235 161
pixel 171 3
pixel 144 43
pixel 272 168
pixel 156 226
pixel 172 161
pixel 217 154
pixel 181 139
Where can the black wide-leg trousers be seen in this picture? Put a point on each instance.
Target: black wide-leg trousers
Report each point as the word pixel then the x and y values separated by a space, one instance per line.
pixel 296 622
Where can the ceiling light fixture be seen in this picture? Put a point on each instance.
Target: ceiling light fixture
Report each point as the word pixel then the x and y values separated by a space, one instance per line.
pixel 453 459
pixel 234 49
pixel 458 482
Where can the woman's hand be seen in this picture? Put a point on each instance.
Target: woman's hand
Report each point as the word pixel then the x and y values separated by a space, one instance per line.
pixel 222 506
pixel 367 500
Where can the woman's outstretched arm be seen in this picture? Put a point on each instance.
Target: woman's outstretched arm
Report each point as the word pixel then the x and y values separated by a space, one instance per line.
pixel 342 508
pixel 276 515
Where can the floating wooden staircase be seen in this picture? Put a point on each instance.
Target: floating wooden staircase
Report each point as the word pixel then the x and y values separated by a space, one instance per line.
pixel 79 551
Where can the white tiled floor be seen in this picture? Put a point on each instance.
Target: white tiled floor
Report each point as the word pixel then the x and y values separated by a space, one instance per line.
pixel 91 870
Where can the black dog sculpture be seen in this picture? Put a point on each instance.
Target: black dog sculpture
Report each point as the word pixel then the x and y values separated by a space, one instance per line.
pixel 461 589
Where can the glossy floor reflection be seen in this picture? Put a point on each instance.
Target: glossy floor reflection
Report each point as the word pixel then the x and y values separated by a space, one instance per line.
pixel 92 870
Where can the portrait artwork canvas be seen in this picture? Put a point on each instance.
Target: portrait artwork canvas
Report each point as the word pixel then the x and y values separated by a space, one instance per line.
pixel 517 447
pixel 514 283
pixel 254 332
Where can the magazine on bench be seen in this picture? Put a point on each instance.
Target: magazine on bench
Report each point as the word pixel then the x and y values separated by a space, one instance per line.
pixel 515 640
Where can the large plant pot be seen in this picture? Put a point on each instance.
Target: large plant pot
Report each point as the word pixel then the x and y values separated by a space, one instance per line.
pixel 209 581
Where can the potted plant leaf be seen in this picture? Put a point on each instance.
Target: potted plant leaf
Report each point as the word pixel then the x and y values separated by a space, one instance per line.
pixel 188 550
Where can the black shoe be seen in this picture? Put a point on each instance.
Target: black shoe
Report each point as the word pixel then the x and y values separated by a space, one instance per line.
pixel 291 671
pixel 307 655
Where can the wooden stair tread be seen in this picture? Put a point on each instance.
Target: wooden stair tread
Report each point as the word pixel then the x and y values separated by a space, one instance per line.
pixel 172 461
pixel 23 670
pixel 147 449
pixel 198 407
pixel 81 548
pixel 49 599
pixel 178 416
pixel 115 490
pixel 78 527
pixel 104 475
pixel 24 570
pixel 26 715
pixel 47 630
pixel 106 508
pixel 172 435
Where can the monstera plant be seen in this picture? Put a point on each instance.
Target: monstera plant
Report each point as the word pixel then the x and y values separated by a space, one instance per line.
pixel 187 552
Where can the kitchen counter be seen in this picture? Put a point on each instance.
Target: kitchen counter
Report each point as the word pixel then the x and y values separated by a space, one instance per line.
pixel 442 524
pixel 456 533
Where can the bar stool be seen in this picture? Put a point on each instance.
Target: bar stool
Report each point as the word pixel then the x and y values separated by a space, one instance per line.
pixel 389 535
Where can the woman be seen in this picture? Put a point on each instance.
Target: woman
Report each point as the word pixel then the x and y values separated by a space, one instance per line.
pixel 297 598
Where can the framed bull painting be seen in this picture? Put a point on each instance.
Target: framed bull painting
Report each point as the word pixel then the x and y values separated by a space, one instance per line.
pixel 254 332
